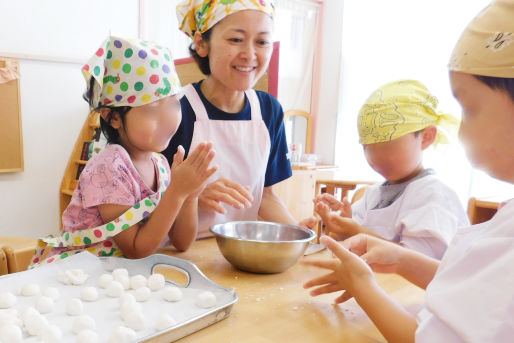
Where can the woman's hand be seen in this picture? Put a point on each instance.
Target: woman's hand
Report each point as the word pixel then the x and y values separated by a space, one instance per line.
pixel 224 190
pixel 188 176
pixel 348 272
pixel 344 207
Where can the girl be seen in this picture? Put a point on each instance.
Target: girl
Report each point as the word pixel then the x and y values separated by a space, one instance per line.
pixel 469 294
pixel 134 86
pixel 232 44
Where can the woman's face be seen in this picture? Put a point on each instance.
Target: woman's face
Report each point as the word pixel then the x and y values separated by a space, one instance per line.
pixel 151 126
pixel 487 127
pixel 240 48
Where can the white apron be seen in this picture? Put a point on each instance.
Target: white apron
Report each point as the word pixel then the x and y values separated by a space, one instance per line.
pixel 242 151
pixel 471 298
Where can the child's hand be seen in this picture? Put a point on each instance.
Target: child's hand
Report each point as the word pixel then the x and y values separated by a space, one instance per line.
pixel 188 177
pixel 381 255
pixel 348 272
pixel 344 207
pixel 339 227
pixel 309 223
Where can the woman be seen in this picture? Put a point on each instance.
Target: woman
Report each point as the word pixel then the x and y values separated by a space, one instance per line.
pixel 232 44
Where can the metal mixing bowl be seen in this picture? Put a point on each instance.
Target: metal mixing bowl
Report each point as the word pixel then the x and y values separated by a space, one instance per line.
pixel 261 247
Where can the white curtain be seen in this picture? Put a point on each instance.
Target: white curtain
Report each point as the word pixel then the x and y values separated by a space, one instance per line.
pixel 295 27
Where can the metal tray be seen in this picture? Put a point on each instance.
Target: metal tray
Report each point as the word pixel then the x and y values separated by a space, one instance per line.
pixel 195 279
pixel 189 317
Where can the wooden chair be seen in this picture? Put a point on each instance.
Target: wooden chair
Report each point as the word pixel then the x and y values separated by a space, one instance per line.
pixel 480 211
pixel 332 186
pixel 3 262
pixel 18 253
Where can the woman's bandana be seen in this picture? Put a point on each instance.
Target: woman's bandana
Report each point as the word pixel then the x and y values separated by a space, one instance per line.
pixel 129 73
pixel 399 108
pixel 201 15
pixel 486 47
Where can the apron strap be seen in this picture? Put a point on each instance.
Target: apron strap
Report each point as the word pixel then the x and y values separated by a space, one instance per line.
pixel 195 102
pixel 255 105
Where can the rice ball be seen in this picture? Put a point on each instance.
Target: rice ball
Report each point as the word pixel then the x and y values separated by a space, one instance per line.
pixel 7 299
pixel 114 289
pixel 122 334
pixel 87 336
pixel 142 293
pixel 156 282
pixel 172 293
pixel 30 289
pixel 44 304
pixel 205 299
pixel 11 333
pixel 74 307
pixel 104 280
pixel 81 323
pixel 164 321
pixel 138 281
pixel 51 292
pixel 89 293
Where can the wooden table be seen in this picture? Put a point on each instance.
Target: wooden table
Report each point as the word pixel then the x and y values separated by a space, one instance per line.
pixel 276 308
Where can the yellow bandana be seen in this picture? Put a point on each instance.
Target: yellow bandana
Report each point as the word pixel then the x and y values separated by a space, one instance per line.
pixel 486 47
pixel 399 108
pixel 201 15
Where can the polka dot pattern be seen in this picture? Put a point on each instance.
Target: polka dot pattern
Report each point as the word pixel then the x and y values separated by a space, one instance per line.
pixel 142 69
pixel 98 240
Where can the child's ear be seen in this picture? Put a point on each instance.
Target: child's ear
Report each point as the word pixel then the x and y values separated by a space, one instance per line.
pixel 111 117
pixel 428 136
pixel 201 46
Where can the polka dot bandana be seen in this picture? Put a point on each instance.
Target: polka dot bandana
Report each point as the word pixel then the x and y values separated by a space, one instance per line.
pixel 201 15
pixel 486 47
pixel 129 73
pixel 399 108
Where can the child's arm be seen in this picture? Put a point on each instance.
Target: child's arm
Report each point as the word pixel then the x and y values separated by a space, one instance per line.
pixel 188 177
pixel 351 274
pixel 184 229
pixel 337 226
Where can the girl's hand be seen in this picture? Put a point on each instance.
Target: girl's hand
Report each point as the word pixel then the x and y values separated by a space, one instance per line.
pixel 339 227
pixel 188 177
pixel 349 272
pixel 309 223
pixel 344 207
pixel 381 255
pixel 224 190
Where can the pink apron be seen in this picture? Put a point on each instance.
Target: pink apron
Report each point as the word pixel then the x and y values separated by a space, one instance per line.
pixel 242 151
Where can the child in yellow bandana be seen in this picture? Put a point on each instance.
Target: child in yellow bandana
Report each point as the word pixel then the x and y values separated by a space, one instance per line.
pixel 469 294
pixel 412 207
pixel 126 202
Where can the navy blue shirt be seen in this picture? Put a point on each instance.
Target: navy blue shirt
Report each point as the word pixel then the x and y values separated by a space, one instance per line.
pixel 279 166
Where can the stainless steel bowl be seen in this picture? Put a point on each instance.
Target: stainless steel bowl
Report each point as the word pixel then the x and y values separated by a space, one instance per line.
pixel 261 247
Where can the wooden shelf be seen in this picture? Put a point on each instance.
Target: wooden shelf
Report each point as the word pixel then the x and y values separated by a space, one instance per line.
pixel 80 161
pixel 67 191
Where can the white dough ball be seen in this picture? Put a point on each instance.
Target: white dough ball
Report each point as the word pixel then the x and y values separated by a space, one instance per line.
pixel 51 334
pixel 87 336
pixel 104 280
pixel 120 272
pixel 27 313
pixel 74 277
pixel 137 281
pixel 10 316
pixel 35 324
pixel 7 299
pixel 205 299
pixel 89 293
pixel 114 289
pixel 129 308
pixel 164 321
pixel 81 323
pixel 124 280
pixel 122 334
pixel 156 282
pixel 52 292
pixel 10 333
pixel 74 307
pixel 135 320
pixel 142 293
pixel 30 289
pixel 172 293
pixel 44 304
pixel 127 298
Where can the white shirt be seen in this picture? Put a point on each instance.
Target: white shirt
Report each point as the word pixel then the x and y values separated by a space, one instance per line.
pixel 425 217
pixel 471 298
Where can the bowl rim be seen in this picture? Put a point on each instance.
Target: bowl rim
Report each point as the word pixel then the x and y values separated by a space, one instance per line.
pixel 311 233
